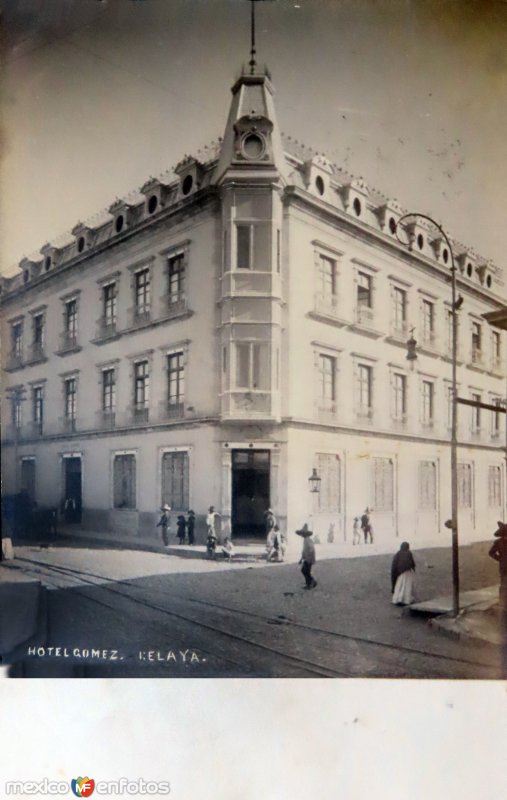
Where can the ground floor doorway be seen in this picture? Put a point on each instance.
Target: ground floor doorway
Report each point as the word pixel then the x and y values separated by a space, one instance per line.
pixel 250 492
pixel 72 489
pixel 28 477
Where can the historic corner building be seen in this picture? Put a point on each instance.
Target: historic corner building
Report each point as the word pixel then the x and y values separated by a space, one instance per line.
pixel 236 326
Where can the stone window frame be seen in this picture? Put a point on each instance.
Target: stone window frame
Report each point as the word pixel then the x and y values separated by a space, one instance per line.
pixel 394 370
pixel 183 448
pixel 133 451
pixel 364 360
pixel 323 251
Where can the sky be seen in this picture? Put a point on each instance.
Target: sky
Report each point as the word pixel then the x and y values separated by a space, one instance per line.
pixel 98 95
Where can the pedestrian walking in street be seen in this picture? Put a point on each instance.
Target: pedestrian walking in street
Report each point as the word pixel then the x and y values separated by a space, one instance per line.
pixel 163 523
pixel 227 548
pixel 356 531
pixel 181 528
pixel 367 526
pixel 403 576
pixel 498 551
pixel 308 558
pixel 191 526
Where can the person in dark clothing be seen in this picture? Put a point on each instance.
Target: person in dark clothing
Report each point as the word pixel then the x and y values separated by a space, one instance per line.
pixel 367 526
pixel 191 526
pixel 163 523
pixel 402 576
pixel 181 528
pixel 498 551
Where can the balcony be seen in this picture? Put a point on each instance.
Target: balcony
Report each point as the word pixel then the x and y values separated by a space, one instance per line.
pixel 364 415
pixel 169 411
pixel 69 425
pixel 174 305
pixel 34 429
pixel 68 344
pixel 364 315
pixel 475 434
pixel 399 422
pixel 106 420
pixel 14 361
pixel 326 411
pixel 429 342
pixel 497 365
pixel 106 329
pixel 399 331
pixel 140 415
pixel 138 317
pixel 477 357
pixel 36 353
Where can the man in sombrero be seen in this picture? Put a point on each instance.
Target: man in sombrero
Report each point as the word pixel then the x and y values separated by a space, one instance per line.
pixel 307 556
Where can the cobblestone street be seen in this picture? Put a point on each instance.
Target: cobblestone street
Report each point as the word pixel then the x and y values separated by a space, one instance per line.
pixel 152 614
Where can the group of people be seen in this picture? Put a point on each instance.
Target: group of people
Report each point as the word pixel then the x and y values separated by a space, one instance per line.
pixel 185 526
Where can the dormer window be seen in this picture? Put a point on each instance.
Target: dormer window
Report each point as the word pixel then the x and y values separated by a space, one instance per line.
pixel 186 184
pixel 319 184
pixel 119 223
pixel 152 204
pixel 47 263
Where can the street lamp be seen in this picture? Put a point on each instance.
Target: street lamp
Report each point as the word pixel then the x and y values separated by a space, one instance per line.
pixel 314 482
pixel 456 303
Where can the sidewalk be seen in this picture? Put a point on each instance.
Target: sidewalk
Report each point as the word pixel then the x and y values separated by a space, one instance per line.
pixel 479 617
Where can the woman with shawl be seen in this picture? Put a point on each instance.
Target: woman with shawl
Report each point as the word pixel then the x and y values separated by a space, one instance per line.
pixel 403 576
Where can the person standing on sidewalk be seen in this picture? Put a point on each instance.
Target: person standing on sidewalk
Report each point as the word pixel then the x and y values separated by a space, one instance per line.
pixel 308 557
pixel 356 531
pixel 163 523
pixel 498 551
pixel 181 528
pixel 191 526
pixel 367 526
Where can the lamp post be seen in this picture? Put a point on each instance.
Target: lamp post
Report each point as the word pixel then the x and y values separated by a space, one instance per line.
pixel 455 305
pixel 314 482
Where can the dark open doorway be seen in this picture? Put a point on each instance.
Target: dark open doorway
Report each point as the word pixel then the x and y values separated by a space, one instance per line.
pixel 72 487
pixel 250 492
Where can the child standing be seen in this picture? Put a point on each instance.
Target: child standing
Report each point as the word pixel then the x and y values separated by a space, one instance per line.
pixel 191 526
pixel 307 556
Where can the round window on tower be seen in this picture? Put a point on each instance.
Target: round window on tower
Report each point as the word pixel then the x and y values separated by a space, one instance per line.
pixel 253 146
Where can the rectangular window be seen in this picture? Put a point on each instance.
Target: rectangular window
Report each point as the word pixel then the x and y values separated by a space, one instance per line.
pixel 476 342
pixel 109 304
pixel 124 481
pixel 494 486
pixel 70 393
pixel 399 310
pixel 364 290
pixel 141 385
pixel 428 402
pixel 17 339
pixel 428 320
pixel 495 417
pixel 142 292
pixel 175 480
pixel 329 470
pixel 327 277
pixel 365 388
pixel 244 254
pixel 465 485
pixel 38 330
pixel 108 391
pixel 476 413
pixel 175 379
pixel 327 379
pixel 383 484
pixel 252 365
pixel 16 413
pixel 427 486
pixel 38 408
pixel 176 278
pixel 399 396
pixel 71 320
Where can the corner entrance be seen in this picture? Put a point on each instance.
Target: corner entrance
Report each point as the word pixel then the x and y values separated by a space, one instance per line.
pixel 250 492
pixel 72 488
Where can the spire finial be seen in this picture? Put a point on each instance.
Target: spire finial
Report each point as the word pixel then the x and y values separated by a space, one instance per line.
pixel 252 63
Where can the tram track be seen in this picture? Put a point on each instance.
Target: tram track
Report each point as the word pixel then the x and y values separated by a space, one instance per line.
pixel 385 651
